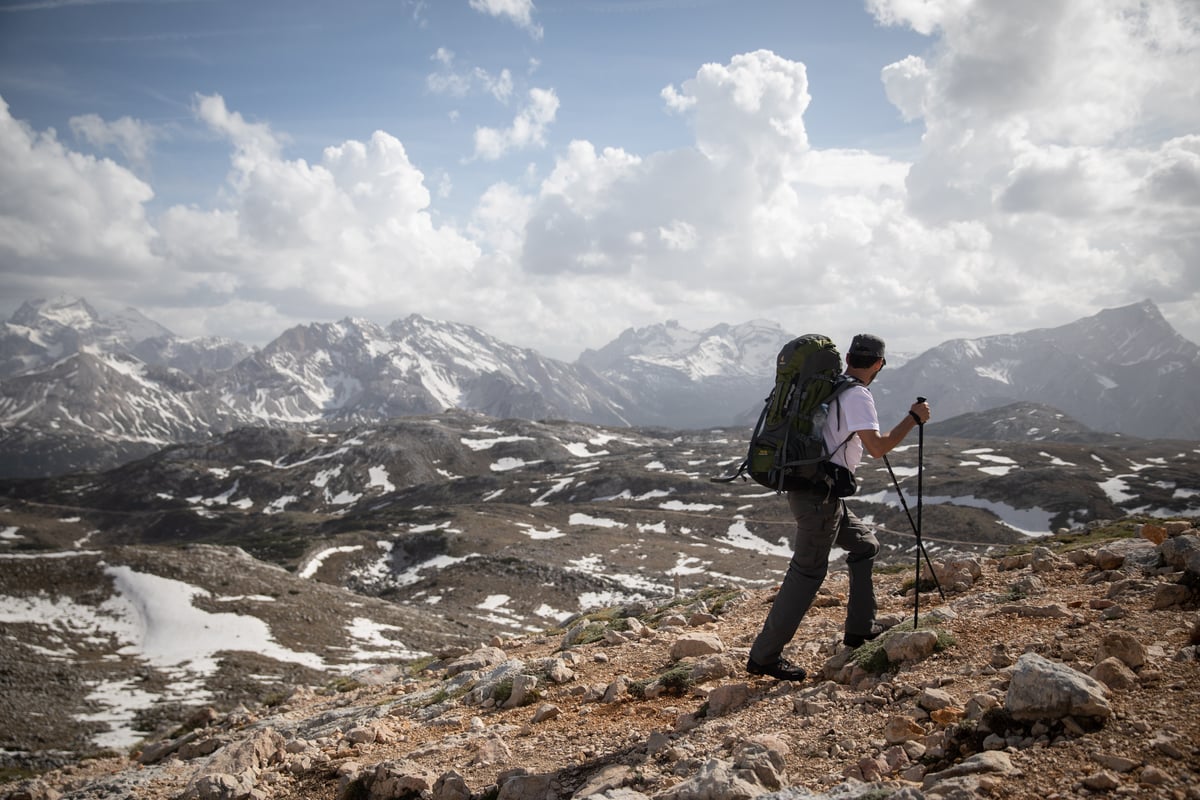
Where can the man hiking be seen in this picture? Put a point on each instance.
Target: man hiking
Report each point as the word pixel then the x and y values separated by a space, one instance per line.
pixel 822 519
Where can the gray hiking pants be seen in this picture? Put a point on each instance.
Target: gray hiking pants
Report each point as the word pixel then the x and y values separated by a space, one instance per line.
pixel 820 524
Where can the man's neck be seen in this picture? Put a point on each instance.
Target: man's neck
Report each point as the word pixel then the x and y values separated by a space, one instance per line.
pixel 863 375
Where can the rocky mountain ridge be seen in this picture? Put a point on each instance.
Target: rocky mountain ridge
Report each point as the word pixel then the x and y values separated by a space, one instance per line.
pixel 1123 369
pixel 80 392
pixel 1065 670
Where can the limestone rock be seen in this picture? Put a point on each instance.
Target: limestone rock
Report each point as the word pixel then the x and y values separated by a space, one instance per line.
pixel 691 645
pixel 1114 674
pixel 898 730
pixel 482 658
pixel 397 778
pixel 1123 646
pixel 1044 689
pixel 727 697
pixel 909 646
pixel 715 780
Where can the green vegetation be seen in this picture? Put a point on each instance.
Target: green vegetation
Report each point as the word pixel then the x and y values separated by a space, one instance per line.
pixel 926 585
pixel 419 665
pixel 502 691
pixel 873 658
pixel 14 774
pixel 1014 595
pixel 676 680
pixel 341 685
pixel 356 790
pixel 1124 528
pixel 714 598
pixel 593 632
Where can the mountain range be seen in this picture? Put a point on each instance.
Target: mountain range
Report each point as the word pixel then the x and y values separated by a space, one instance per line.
pixel 80 390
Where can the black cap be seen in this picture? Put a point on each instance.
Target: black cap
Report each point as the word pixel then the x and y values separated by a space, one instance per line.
pixel 865 344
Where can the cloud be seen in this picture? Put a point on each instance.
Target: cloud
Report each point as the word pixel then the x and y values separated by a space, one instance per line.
pixel 528 128
pixel 68 218
pixel 749 110
pixel 254 142
pixel 519 11
pixel 131 138
pixel 1058 173
pixel 1030 198
pixel 352 231
pixel 459 84
pixel 1045 124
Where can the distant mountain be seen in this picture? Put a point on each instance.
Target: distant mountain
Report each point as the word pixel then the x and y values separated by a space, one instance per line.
pixel 1123 370
pixel 1019 422
pixel 688 379
pixel 354 370
pixel 197 357
pixel 89 411
pixel 82 391
pixel 42 332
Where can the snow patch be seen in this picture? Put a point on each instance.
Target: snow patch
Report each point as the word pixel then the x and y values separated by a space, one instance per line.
pixel 316 561
pixel 597 522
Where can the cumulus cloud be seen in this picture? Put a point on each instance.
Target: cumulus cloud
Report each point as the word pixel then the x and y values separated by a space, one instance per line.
pixel 528 129
pixel 740 221
pixel 66 216
pixel 1045 124
pixel 1043 188
pixel 352 231
pixel 750 110
pixel 519 11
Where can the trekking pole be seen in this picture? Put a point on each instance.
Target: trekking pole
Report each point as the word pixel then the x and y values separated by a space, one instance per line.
pixel 920 547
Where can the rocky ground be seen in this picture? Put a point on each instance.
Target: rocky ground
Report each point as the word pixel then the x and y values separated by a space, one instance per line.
pixel 1069 671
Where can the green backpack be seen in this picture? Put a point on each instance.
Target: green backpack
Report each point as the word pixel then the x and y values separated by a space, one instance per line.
pixel 787 446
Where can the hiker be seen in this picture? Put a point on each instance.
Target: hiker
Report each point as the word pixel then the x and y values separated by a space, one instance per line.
pixel 822 519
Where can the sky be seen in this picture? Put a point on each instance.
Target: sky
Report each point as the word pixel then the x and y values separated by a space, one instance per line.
pixel 556 172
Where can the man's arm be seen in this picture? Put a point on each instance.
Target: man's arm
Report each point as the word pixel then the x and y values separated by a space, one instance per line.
pixel 879 445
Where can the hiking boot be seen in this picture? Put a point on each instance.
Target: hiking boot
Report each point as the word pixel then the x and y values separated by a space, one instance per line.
pixel 782 669
pixel 859 639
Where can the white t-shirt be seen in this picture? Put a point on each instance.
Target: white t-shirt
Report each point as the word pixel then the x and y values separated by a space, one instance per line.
pixel 853 410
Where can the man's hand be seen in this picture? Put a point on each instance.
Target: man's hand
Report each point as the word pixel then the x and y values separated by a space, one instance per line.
pixel 878 445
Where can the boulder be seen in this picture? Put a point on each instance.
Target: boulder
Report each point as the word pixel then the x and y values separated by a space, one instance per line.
pixel 692 645
pixel 399 778
pixel 727 697
pixel 482 658
pixel 1041 689
pixel 1114 674
pixel 1123 646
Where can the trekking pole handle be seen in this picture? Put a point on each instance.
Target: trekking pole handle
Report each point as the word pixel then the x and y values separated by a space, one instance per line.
pixel 913 414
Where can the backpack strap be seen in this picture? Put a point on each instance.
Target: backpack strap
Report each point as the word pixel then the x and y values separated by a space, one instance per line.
pixel 844 383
